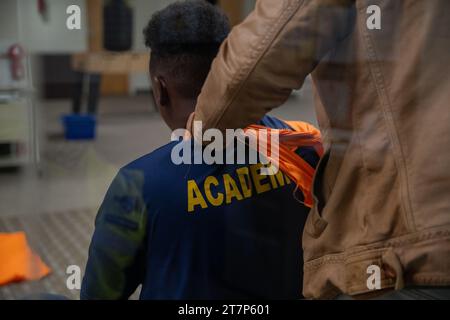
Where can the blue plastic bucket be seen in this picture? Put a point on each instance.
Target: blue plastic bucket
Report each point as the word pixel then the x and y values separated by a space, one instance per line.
pixel 79 127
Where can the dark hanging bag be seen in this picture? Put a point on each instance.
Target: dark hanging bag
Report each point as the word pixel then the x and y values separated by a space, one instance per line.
pixel 118 26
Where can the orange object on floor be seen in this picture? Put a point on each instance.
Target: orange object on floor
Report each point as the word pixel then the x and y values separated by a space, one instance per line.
pixel 17 261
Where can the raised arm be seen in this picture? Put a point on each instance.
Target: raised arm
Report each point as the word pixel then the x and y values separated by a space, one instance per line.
pixel 269 55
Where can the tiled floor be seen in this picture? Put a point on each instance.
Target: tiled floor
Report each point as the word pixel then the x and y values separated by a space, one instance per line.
pixel 60 240
pixel 56 209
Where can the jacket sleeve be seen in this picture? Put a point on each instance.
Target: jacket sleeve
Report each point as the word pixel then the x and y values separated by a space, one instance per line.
pixel 115 265
pixel 269 55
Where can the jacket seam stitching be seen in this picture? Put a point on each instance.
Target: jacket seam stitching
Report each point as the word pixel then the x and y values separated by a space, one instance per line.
pixel 386 104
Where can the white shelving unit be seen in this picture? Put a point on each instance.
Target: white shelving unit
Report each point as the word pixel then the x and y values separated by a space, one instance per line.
pixel 18 136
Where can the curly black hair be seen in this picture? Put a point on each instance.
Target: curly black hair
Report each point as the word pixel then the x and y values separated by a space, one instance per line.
pixel 186 27
pixel 184 38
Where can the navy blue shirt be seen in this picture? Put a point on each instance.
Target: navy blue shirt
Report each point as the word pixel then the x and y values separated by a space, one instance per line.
pixel 198 231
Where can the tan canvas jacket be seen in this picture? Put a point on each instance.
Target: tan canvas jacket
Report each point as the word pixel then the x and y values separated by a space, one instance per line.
pixel 382 190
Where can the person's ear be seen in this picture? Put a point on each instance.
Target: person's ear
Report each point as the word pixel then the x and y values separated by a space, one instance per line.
pixel 160 91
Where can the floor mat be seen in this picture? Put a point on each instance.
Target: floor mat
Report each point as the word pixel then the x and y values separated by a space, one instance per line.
pixel 61 240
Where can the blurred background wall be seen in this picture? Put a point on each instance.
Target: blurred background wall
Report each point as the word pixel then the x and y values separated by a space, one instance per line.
pixel 47 37
pixel 21 22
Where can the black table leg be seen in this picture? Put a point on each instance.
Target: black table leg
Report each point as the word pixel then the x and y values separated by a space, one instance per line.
pixel 77 94
pixel 94 92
